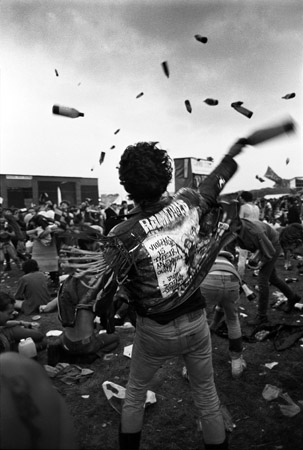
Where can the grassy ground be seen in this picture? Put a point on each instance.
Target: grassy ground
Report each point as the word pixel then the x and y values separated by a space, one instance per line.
pixel 170 423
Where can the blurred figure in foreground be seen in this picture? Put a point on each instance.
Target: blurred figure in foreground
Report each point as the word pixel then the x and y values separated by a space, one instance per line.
pixel 33 415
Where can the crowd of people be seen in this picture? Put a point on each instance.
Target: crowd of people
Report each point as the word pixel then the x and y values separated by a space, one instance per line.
pixel 166 258
pixel 40 231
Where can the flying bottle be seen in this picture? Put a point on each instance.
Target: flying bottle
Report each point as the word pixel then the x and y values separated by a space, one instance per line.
pixel 265 134
pixel 67 111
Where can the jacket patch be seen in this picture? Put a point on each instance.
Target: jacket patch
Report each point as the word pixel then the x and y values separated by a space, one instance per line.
pixel 164 218
pixel 173 253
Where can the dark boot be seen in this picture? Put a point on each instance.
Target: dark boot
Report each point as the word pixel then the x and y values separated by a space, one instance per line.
pixel 223 446
pixel 129 441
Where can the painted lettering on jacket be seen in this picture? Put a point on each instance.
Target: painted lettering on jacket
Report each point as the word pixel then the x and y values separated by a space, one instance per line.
pixel 167 215
pixel 173 250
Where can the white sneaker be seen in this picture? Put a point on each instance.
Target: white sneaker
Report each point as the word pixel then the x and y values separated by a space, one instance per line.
pixel 237 366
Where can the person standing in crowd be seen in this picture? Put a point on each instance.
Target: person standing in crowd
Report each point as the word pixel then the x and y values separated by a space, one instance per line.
pixel 248 209
pixel 66 213
pixel 149 256
pixel 265 210
pixel 8 251
pixel 32 290
pixel 293 211
pixel 47 210
pixel 262 239
pixel 123 211
pixel 44 249
pixel 111 217
pixel 14 220
pixel 221 289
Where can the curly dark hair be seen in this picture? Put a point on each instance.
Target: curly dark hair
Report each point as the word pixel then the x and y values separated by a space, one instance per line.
pixel 29 266
pixel 145 171
pixel 247 196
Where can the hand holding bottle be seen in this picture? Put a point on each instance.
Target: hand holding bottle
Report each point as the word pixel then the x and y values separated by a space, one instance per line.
pixel 237 148
pixel 265 134
pixel 262 135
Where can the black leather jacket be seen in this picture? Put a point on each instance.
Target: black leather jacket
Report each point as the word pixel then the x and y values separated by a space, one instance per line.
pixel 168 248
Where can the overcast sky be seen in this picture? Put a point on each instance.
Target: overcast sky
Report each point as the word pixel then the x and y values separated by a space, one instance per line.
pixel 108 51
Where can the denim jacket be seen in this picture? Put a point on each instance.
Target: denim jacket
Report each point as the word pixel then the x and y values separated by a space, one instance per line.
pixel 168 248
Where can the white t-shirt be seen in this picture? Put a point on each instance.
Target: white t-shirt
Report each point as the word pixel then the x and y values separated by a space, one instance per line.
pixel 50 214
pixel 249 211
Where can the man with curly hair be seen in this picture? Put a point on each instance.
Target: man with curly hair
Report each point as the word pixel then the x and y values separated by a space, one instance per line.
pixel 165 249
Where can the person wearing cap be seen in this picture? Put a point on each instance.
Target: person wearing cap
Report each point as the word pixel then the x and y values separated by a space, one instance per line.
pixel 149 255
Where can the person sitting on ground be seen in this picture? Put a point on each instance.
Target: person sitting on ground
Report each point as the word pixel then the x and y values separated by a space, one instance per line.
pixel 33 415
pixel 12 331
pixel 75 305
pixel 32 290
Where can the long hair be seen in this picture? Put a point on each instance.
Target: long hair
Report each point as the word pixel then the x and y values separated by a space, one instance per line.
pixel 145 171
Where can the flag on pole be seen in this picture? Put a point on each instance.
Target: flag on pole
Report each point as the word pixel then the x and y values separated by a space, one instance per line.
pixel 271 175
